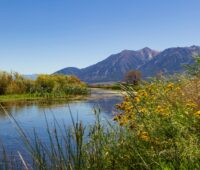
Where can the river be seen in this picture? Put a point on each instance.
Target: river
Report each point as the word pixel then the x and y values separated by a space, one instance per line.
pixel 31 115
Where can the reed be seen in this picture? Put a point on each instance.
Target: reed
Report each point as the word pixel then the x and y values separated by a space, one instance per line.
pixel 104 145
pixel 15 86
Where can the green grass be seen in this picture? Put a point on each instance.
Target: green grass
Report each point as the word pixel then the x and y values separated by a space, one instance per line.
pixel 27 97
pixel 18 97
pixel 69 93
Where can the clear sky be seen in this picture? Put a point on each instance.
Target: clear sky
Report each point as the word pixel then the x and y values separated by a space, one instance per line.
pixel 42 36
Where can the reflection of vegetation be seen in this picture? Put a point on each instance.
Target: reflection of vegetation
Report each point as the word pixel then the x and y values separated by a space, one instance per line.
pixel 14 86
pixel 15 107
pixel 106 105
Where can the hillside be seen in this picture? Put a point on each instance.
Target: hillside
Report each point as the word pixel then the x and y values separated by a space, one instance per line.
pixel 112 68
pixel 148 61
pixel 170 61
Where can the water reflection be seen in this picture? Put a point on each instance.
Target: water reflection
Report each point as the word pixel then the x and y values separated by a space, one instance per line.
pixel 30 115
pixel 106 105
pixel 103 99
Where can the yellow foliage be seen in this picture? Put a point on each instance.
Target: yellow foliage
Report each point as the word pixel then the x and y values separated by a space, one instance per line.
pixel 156 106
pixel 144 136
pixel 198 113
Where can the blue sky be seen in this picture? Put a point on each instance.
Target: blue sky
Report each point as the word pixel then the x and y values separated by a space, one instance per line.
pixel 42 36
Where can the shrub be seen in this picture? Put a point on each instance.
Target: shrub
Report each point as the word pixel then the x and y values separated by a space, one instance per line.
pixel 5 79
pixel 43 86
pixel 59 85
pixel 163 120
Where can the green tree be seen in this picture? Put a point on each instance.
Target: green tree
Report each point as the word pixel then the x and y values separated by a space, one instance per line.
pixel 194 69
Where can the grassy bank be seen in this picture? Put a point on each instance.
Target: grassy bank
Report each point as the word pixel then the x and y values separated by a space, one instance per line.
pixel 15 97
pixel 30 97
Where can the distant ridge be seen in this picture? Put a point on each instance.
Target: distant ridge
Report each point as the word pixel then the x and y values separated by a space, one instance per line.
pixel 149 61
pixel 170 61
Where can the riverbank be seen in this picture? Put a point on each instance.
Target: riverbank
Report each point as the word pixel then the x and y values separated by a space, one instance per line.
pixel 29 97
pixel 93 93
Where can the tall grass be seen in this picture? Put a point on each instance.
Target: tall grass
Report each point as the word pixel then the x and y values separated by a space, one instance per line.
pixel 106 145
pixel 47 86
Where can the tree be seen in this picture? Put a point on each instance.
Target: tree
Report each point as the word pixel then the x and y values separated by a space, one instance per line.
pixel 194 69
pixel 133 77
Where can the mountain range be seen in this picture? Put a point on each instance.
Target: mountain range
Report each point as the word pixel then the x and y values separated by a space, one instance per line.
pixel 148 61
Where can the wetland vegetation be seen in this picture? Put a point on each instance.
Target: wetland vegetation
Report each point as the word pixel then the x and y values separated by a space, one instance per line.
pixel 14 86
pixel 156 126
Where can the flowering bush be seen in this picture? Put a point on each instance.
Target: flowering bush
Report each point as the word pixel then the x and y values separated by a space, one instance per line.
pixel 163 118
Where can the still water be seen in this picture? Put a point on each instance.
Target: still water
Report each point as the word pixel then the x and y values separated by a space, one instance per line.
pixel 31 115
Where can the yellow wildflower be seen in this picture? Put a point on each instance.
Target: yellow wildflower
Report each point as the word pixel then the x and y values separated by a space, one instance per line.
pixel 144 136
pixel 170 86
pixel 144 93
pixel 122 123
pixel 197 113
pixel 144 110
pixel 117 117
pixel 149 88
pixel 159 109
pixel 137 99
pixel 191 104
pixel 119 106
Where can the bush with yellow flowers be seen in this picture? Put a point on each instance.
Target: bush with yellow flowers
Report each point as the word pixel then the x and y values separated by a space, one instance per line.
pixel 164 118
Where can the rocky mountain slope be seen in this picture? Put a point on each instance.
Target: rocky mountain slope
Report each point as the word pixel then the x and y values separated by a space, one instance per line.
pixel 149 61
pixel 112 68
pixel 170 61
